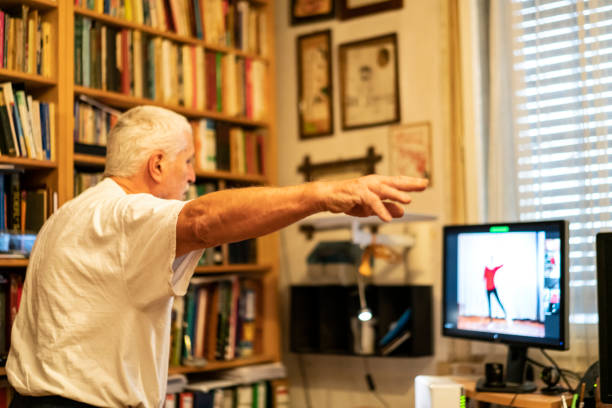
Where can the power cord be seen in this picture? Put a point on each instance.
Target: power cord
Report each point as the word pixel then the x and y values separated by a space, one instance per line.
pixel 569 387
pixel 370 381
pixel 304 380
pixel 512 401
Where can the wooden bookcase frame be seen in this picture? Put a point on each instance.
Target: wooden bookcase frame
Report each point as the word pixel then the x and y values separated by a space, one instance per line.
pixel 59 175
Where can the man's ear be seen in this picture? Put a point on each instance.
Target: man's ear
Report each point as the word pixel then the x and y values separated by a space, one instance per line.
pixel 155 166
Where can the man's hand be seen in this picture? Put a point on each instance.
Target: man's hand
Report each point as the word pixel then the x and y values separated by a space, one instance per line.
pixel 370 195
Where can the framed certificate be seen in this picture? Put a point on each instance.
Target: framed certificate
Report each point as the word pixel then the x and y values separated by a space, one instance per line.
pixel 410 150
pixel 315 96
pixel 369 94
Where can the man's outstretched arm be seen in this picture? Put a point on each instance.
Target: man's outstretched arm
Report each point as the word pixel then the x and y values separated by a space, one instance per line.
pixel 237 214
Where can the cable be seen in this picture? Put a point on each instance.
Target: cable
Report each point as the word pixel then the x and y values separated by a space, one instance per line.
pixel 304 381
pixel 569 387
pixel 566 371
pixel 512 401
pixel 370 382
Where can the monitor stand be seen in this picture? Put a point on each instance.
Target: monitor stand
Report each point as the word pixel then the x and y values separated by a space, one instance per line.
pixel 515 375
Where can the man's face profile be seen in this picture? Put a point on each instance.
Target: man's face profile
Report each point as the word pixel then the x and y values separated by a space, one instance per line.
pixel 180 172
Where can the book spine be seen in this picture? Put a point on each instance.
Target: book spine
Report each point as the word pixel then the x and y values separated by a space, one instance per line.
pixel 125 66
pixel 86 53
pixel 78 49
pixel 2 39
pixel 219 81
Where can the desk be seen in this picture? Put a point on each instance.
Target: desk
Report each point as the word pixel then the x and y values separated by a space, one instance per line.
pixel 533 400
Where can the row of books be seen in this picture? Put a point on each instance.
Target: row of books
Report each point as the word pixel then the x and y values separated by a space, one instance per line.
pixel 253 386
pixel 25 42
pixel 21 209
pixel 27 126
pixel 215 321
pixel 236 24
pixel 93 121
pixel 256 395
pixel 84 180
pixel 146 66
pixel 220 22
pixel 220 146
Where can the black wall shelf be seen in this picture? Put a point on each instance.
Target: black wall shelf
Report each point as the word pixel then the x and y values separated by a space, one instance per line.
pixel 321 318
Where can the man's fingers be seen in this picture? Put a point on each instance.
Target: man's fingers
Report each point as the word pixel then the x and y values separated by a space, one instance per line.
pixel 395 209
pixel 405 183
pixel 386 192
pixel 378 207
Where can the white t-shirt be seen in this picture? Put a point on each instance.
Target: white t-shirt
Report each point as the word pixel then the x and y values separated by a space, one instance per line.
pixel 95 314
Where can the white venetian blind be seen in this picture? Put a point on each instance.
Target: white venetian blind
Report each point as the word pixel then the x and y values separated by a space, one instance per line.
pixel 563 111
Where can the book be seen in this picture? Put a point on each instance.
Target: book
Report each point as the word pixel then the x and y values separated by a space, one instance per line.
pixel 78 49
pixel 36 203
pixel 396 329
pixel 395 343
pixel 8 102
pixel 25 120
pixel 177 331
pixel 6 134
pixel 200 325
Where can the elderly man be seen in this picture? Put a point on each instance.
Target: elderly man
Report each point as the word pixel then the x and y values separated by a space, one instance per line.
pixel 94 322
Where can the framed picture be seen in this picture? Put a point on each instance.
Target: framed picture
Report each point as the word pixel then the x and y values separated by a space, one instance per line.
pixel 307 11
pixel 410 150
pixel 358 8
pixel 315 96
pixel 369 93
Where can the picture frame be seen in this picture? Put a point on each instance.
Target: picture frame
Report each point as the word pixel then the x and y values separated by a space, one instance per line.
pixel 308 11
pixel 315 85
pixel 369 84
pixel 410 150
pixel 357 8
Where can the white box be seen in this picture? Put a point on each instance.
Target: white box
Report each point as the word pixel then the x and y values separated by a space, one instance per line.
pixel 432 391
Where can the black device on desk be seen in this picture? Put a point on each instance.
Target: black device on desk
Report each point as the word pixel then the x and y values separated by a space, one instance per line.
pixel 604 305
pixel 507 283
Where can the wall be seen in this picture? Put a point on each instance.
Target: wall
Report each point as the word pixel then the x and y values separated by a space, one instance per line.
pixel 335 381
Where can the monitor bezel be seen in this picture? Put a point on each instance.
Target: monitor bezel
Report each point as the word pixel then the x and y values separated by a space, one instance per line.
pixel 563 342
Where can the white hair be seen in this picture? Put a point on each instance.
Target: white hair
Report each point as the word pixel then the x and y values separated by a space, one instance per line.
pixel 138 133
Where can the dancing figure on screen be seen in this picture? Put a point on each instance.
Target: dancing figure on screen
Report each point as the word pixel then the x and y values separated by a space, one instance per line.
pixel 489 276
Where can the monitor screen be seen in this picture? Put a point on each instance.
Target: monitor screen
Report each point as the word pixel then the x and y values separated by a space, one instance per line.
pixel 507 283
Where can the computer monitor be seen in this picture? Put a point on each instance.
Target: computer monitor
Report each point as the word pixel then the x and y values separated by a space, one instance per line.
pixel 604 307
pixel 508 283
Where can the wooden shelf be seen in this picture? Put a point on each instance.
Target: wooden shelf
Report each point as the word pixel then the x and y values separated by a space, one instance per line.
pixel 13 263
pixel 201 270
pixel 31 80
pixel 98 161
pixel 89 160
pixel 119 22
pixel 332 222
pixel 221 365
pixel 39 4
pixel 120 100
pixel 27 163
pixel 531 400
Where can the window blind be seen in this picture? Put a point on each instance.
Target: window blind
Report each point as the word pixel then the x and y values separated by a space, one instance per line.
pixel 562 64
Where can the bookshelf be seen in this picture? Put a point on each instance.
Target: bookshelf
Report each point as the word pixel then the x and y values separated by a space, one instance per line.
pixel 31 80
pixel 58 175
pixel 126 101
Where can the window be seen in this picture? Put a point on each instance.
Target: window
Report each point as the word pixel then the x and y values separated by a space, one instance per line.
pixel 562 97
